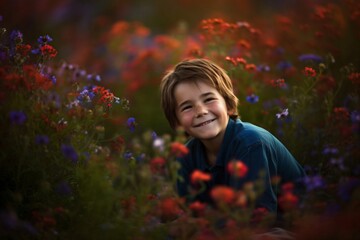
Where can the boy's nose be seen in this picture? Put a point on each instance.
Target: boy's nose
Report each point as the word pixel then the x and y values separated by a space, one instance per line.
pixel 200 110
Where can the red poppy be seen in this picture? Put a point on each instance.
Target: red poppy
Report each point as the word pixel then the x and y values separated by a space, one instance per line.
pixel 178 149
pixel 237 169
pixel 309 72
pixel 223 194
pixel 199 176
pixel 157 165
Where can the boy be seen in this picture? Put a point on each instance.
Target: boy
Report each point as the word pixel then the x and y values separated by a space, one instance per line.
pixel 198 96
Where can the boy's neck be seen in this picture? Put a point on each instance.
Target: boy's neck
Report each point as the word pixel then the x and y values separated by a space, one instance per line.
pixel 212 149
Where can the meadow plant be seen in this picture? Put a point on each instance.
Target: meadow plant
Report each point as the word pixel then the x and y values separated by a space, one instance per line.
pixel 69 170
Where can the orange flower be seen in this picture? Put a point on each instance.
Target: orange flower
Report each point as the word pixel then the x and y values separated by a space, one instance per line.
pixel 199 176
pixel 222 194
pixel 178 149
pixel 237 169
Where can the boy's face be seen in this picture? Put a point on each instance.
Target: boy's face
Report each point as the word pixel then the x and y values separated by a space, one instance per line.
pixel 201 110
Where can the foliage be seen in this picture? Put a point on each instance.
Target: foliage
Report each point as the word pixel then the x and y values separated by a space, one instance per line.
pixel 75 165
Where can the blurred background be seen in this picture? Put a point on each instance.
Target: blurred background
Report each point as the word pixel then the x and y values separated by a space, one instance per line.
pixel 116 38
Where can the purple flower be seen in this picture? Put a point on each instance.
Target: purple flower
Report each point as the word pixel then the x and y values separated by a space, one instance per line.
pixel 263 68
pixel 314 182
pixel 153 135
pixel 284 113
pixel 338 162
pixel 42 139
pixel 130 123
pixel 252 98
pixel 330 150
pixel 17 117
pixel 355 116
pixel 35 51
pixel 44 39
pixel 128 155
pixel 284 65
pixel 3 55
pixel 310 57
pixel 86 95
pixel 16 36
pixel 347 188
pixel 69 152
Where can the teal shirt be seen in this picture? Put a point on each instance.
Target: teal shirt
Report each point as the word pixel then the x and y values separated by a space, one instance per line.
pixel 257 148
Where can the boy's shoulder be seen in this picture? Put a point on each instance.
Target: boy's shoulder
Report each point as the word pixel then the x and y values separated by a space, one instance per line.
pixel 247 133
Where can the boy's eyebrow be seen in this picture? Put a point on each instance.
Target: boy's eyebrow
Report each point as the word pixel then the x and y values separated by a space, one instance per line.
pixel 204 95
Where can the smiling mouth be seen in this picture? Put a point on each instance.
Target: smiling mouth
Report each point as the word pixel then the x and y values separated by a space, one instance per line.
pixel 204 123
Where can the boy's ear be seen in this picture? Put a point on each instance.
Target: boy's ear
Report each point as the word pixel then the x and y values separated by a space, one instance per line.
pixel 230 112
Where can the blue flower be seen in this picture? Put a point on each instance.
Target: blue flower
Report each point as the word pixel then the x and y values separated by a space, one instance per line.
pixel 252 98
pixel 17 117
pixel 310 57
pixel 130 123
pixel 42 139
pixel 69 152
pixel 44 39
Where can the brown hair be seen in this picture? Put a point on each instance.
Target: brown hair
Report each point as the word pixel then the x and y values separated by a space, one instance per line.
pixel 196 70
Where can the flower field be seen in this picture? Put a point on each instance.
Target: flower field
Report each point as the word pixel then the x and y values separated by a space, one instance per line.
pixel 86 152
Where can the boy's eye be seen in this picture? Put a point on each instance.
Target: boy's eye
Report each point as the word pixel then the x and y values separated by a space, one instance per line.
pixel 185 108
pixel 209 99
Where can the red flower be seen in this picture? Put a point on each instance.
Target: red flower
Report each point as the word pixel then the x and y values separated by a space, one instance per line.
pixel 178 149
pixel 157 165
pixel 309 72
pixel 199 176
pixel 222 194
pixel 280 82
pixel 258 215
pixel 48 51
pixel 287 187
pixel 250 67
pixel 354 78
pixel 128 205
pixel 23 49
pixel 325 84
pixel 104 96
pixel 118 144
pixel 168 209
pixel 237 169
pixel 288 201
pixel 197 208
pixel 341 114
